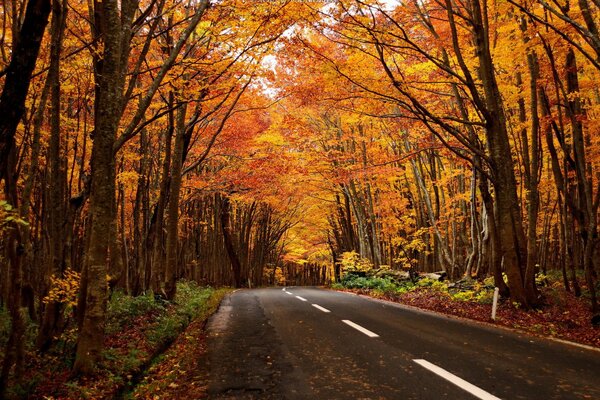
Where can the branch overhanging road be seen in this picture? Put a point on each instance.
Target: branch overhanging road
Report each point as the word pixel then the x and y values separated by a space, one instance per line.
pixel 309 343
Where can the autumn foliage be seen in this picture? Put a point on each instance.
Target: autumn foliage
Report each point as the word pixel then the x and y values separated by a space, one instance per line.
pixel 254 143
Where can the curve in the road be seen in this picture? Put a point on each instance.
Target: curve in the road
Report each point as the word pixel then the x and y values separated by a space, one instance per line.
pixel 320 344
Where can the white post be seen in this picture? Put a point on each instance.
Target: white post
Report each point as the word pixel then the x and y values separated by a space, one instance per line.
pixel 495 303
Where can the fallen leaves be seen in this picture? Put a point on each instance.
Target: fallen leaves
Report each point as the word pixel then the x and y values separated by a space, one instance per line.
pixel 176 375
pixel 563 315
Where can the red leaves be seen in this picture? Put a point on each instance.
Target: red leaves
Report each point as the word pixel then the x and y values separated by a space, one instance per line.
pixel 564 316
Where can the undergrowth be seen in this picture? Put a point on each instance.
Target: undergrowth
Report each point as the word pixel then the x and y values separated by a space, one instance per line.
pixel 465 290
pixel 480 292
pixel 138 329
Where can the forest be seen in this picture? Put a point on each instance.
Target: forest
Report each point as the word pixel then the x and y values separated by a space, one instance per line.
pixel 250 143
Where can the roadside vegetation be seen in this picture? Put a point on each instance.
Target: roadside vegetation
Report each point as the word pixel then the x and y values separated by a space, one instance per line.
pixel 248 143
pixel 138 330
pixel 560 313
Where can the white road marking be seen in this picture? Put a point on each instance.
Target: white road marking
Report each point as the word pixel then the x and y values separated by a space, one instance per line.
pixel 289 293
pixel 283 289
pixel 300 298
pixel 360 328
pixel 318 307
pixel 461 383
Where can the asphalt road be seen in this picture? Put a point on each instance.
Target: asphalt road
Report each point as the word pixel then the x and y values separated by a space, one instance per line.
pixel 308 343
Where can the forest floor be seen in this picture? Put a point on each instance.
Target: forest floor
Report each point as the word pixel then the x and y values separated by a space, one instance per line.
pixel 141 332
pixel 177 374
pixel 561 315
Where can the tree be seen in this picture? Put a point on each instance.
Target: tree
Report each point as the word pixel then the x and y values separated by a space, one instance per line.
pixel 18 74
pixel 381 36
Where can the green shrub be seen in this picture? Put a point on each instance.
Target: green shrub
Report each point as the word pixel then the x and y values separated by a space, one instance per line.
pixel 190 302
pixel 122 309
pixel 353 281
pixel 467 295
pixel 191 299
pixel 489 281
pixel 383 284
pixel 485 296
pixel 426 282
pixel 439 286
pixel 167 328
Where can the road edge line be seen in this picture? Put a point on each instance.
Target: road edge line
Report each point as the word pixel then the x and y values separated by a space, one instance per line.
pixel 474 321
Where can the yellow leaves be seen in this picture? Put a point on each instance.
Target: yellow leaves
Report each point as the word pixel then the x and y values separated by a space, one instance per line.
pixel 64 290
pixel 414 242
pixel 271 137
pixel 128 178
pixel 352 261
pixel 202 29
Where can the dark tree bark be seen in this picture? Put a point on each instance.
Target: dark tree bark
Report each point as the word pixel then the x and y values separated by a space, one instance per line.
pixel 57 179
pixel 18 76
pixel 512 246
pixel 155 233
pixel 12 106
pixel 587 204
pixel 531 166
pixel 108 106
pixel 236 266
pixel 173 208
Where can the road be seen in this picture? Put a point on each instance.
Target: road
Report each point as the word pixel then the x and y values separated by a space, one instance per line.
pixel 309 343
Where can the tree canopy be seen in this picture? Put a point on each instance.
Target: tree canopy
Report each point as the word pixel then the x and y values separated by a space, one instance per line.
pixel 257 142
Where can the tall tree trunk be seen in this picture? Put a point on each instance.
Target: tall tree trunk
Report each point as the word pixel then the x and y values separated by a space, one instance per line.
pixel 18 77
pixel 474 254
pixel 108 107
pixel 236 266
pixel 173 208
pixel 531 161
pixel 57 179
pixel 588 224
pixel 156 272
pixel 511 237
pixel 12 106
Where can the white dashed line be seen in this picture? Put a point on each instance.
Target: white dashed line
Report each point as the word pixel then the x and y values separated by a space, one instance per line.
pixel 318 307
pixel 289 293
pixel 360 328
pixel 301 298
pixel 461 383
pixel 283 289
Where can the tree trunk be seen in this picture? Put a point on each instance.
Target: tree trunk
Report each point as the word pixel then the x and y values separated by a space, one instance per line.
pixel 531 161
pixel 511 238
pixel 12 106
pixel 108 107
pixel 236 266
pixel 173 205
pixel 57 180
pixel 587 224
pixel 156 229
pixel 18 77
